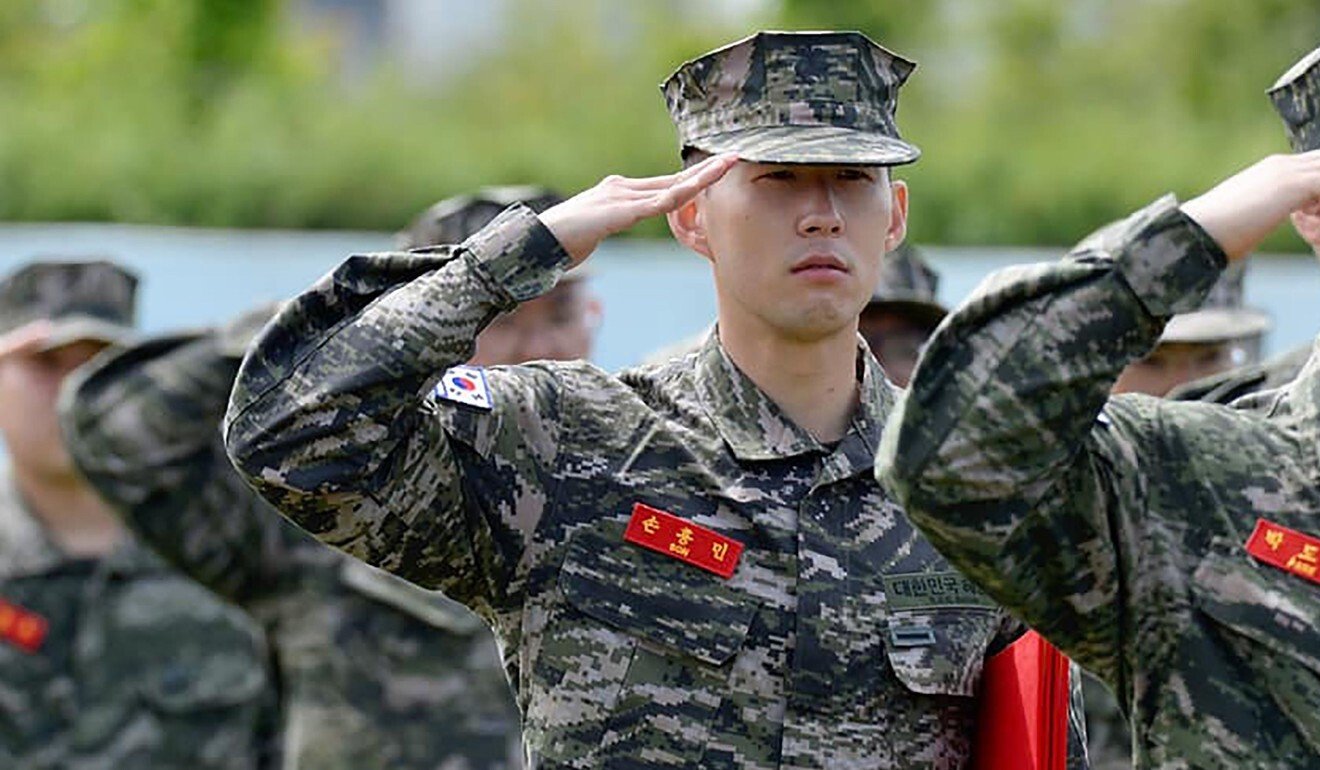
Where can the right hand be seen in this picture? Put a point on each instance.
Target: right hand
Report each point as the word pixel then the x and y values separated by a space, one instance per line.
pixel 1240 211
pixel 617 203
pixel 24 340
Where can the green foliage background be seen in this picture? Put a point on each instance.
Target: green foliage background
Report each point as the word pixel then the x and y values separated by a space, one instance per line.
pixel 1040 119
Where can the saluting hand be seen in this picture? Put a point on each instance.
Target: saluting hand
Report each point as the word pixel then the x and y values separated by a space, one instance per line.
pixel 617 203
pixel 1240 211
pixel 26 339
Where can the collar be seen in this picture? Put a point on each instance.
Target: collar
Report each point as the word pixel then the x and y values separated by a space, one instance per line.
pixel 755 428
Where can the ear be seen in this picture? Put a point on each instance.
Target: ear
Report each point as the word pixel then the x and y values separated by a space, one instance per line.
pixel 688 224
pixel 898 213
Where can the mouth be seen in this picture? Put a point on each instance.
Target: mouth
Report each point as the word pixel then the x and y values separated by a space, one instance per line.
pixel 821 265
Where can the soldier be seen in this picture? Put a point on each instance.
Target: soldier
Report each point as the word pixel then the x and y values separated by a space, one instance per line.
pixel 108 659
pixel 903 311
pixel 688 565
pixel 376 672
pixel 1172 548
pixel 1302 121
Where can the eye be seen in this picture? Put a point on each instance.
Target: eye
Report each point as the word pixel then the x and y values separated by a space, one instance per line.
pixel 779 175
pixel 856 175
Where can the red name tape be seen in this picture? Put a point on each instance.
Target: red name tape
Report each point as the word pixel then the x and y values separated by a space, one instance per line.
pixel 1287 549
pixel 694 544
pixel 22 628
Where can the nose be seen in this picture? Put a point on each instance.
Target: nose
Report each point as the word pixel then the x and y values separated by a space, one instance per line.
pixel 822 217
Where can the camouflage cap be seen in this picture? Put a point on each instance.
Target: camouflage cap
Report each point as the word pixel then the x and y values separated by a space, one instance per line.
pixel 1222 317
pixel 793 97
pixel 453 220
pixel 92 300
pixel 909 285
pixel 1296 96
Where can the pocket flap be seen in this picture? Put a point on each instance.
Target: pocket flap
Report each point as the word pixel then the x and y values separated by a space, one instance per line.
pixel 1267 605
pixel 654 597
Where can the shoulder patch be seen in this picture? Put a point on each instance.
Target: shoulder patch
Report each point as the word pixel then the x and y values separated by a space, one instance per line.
pixel 465 385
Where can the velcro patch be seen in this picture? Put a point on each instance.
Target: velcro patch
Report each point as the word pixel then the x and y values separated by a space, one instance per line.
pixel 1287 549
pixel 929 590
pixel 692 543
pixel 22 628
pixel 465 385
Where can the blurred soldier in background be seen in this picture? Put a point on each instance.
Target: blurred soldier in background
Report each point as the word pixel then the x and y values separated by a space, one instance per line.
pixel 903 312
pixel 108 658
pixel 376 673
pixel 1221 335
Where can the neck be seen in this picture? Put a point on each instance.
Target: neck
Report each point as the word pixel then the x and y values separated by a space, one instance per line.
pixel 76 519
pixel 813 382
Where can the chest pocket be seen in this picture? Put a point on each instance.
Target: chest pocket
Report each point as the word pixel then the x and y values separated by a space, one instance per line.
pixel 642 646
pixel 939 625
pixel 1271 616
pixel 173 661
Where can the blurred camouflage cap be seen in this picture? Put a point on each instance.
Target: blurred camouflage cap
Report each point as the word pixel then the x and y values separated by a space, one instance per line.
pixel 1222 317
pixel 909 285
pixel 793 97
pixel 93 300
pixel 453 220
pixel 1296 97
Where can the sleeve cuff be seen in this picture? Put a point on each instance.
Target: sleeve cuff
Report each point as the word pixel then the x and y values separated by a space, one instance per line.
pixel 517 255
pixel 1167 259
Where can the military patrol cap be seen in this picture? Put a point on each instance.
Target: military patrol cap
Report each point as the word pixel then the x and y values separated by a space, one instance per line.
pixel 1296 97
pixel 453 220
pixel 909 285
pixel 793 97
pixel 1222 317
pixel 93 300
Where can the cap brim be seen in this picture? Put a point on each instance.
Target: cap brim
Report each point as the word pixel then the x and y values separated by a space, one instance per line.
pixel 925 313
pixel 1216 325
pixel 824 145
pixel 66 331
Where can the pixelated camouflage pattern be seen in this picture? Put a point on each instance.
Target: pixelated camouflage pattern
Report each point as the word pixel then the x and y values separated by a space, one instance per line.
pixel 86 300
pixel 910 285
pixel 374 672
pixel 1296 97
pixel 140 668
pixel 793 97
pixel 453 219
pixel 622 657
pixel 1116 526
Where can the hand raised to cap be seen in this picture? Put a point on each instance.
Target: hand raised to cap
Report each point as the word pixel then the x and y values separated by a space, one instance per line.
pixel 617 203
pixel 27 338
pixel 1241 210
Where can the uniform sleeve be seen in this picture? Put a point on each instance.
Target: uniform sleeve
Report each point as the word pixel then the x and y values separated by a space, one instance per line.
pixel 334 421
pixel 1007 450
pixel 143 427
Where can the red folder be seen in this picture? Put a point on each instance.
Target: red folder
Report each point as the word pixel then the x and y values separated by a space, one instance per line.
pixel 1023 721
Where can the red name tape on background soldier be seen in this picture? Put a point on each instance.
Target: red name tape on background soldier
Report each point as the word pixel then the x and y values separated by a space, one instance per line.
pixel 1287 549
pixel 694 544
pixel 22 628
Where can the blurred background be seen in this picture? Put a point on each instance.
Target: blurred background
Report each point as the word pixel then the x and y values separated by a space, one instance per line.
pixel 234 150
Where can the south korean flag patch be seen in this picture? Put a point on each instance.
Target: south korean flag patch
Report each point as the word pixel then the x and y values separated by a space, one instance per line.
pixel 466 385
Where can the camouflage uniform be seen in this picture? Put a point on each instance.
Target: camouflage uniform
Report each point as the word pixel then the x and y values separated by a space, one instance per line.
pixel 374 672
pixel 841 639
pixel 910 286
pixel 135 666
pixel 1116 526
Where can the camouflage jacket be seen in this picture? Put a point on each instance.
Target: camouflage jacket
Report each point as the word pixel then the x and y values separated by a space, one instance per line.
pixel 374 672
pixel 120 662
pixel 841 639
pixel 1117 527
pixel 1243 381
